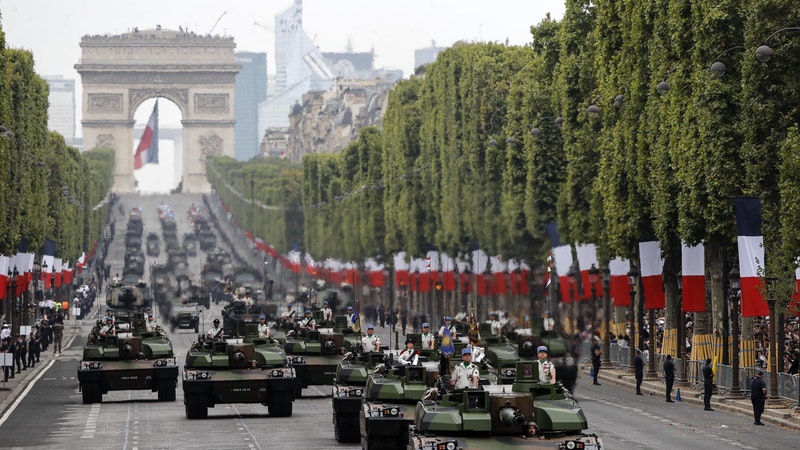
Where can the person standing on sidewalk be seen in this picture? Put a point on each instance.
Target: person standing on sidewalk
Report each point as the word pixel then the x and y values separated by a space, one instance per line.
pixel 708 384
pixel 758 395
pixel 58 334
pixel 596 353
pixel 638 367
pixel 669 377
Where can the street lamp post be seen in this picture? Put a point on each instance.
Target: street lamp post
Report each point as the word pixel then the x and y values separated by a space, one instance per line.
pixel 683 379
pixel 606 274
pixel 733 295
pixel 772 398
pixel 633 281
pixel 572 274
pixel 13 276
pixel 594 277
pixel 651 360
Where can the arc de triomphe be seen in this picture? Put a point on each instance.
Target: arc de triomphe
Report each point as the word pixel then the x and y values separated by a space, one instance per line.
pixel 196 72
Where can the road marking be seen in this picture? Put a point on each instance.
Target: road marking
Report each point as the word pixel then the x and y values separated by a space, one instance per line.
pixel 25 392
pixel 91 422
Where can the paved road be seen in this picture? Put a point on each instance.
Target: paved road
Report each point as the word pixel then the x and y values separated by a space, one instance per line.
pixel 51 415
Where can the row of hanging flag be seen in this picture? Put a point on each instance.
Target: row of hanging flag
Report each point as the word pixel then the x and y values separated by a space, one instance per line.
pixel 492 275
pixel 54 272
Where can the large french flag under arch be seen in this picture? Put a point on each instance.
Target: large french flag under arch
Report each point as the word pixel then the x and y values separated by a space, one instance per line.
pixel 751 255
pixel 147 151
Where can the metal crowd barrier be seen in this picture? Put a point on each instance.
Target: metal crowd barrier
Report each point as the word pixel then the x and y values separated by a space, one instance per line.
pixel 788 385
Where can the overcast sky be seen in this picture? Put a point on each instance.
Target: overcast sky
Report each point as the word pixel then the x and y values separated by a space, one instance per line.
pixel 52 29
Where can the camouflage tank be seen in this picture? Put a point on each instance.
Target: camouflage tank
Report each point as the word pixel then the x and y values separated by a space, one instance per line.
pixel 321 350
pixel 236 371
pixel 354 368
pixel 184 312
pixel 134 359
pixel 128 297
pixel 558 353
pixel 400 386
pixel 152 245
pixel 532 414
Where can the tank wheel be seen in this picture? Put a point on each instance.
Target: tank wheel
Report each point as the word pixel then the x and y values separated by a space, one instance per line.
pixel 298 390
pixel 381 443
pixel 280 404
pixel 166 393
pixel 346 429
pixel 196 407
pixel 91 393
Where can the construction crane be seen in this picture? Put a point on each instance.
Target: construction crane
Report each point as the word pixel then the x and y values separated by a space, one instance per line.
pixel 261 25
pixel 218 19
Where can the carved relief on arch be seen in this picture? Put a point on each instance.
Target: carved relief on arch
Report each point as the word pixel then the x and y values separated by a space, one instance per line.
pixel 210 145
pixel 179 96
pixel 105 103
pixel 104 140
pixel 211 103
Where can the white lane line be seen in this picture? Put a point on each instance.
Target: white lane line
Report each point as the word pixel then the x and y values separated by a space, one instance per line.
pixel 25 392
pixel 91 422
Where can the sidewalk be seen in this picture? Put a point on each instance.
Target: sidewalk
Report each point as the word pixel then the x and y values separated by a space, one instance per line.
pixel 656 388
pixel 13 388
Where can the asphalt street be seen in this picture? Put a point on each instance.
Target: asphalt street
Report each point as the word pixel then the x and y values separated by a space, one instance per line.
pixel 44 408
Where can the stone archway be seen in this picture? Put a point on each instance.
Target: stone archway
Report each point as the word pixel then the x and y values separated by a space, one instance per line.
pixel 195 72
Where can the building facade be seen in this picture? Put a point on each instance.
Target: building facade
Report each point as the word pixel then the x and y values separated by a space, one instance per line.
pixel 251 91
pixel 62 110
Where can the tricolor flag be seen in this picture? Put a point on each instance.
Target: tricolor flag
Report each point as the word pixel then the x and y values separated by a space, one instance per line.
pixel 147 151
pixel 499 275
pixel 652 267
pixel 374 272
pixel 401 269
pixel 587 257
pixel 794 303
pixel 448 272
pixel 48 261
pixel 751 255
pixel 562 257
pixel 4 260
pixel 694 278
pixel 620 291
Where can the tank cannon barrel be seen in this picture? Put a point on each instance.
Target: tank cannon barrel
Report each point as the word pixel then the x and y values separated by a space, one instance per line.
pixel 511 417
pixel 238 356
pixel 127 349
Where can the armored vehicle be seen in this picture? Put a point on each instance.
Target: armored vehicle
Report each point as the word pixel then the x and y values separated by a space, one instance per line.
pixel 127 297
pixel 236 371
pixel 190 244
pixel 133 359
pixel 566 367
pixel 531 414
pixel 321 349
pixel 208 240
pixel 401 386
pixel 152 245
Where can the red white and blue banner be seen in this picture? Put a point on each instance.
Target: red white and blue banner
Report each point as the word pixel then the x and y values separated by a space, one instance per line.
pixel 693 278
pixel 751 255
pixel 562 258
pixel 652 280
pixel 147 150
pixel 448 272
pixel 4 267
pixel 620 291
pixel 587 257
